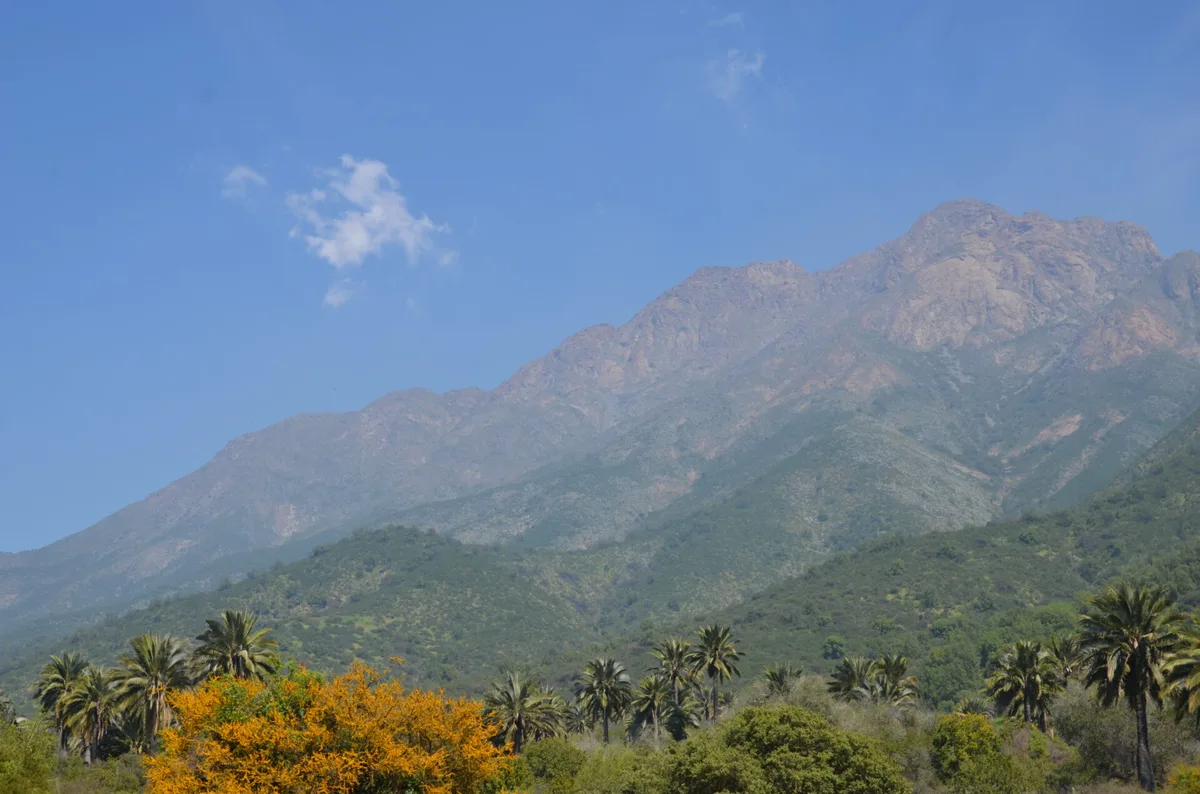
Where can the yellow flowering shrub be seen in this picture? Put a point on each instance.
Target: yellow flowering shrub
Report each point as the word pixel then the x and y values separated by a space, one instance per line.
pixel 298 734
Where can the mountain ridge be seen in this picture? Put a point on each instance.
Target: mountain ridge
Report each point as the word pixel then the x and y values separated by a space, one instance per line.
pixel 631 421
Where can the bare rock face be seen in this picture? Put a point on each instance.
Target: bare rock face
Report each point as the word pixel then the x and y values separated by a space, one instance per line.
pixel 997 348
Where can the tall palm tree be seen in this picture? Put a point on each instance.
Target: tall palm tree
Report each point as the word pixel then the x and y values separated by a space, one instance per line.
pixel 715 655
pixel 1025 679
pixel 652 705
pixel 523 710
pixel 1128 634
pixel 156 666
pixel 53 684
pixel 891 683
pixel 780 679
pixel 234 646
pixel 673 657
pixel 91 709
pixel 852 678
pixel 604 691
pixel 1067 656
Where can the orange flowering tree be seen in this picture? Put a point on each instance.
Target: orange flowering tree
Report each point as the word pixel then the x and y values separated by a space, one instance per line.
pixel 295 733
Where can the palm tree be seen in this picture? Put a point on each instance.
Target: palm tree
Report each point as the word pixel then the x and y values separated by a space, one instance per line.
pixel 715 655
pixel 1067 657
pixel 1026 678
pixel 652 705
pixel 973 705
pixel 1183 672
pixel 852 679
pixel 157 665
pixel 233 646
pixel 1127 637
pixel 575 719
pixel 674 665
pixel 780 679
pixel 91 709
pixel 891 683
pixel 57 678
pixel 7 712
pixel 523 710
pixel 604 691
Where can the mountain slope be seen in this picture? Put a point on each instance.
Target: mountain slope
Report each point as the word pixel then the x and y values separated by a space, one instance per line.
pixel 1014 360
pixel 460 613
pixel 948 601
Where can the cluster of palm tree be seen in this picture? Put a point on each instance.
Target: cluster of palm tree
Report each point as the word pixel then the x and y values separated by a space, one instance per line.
pixel 1133 646
pixel 125 706
pixel 884 680
pixel 682 688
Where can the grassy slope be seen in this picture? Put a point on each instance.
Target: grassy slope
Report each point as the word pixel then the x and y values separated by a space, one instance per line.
pixel 454 612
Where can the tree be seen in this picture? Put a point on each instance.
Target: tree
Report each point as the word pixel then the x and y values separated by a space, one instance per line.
pixel 715 655
pixel 673 657
pixel 651 705
pixel 157 666
pixel 780 748
pixel 851 679
pixel 26 759
pixel 8 714
pixel 891 682
pixel 91 709
pixel 356 734
pixel 883 680
pixel 1183 672
pixel 234 646
pixel 973 705
pixel 1066 655
pixel 959 738
pixel 604 691
pixel 1127 636
pixel 55 681
pixel 780 679
pixel 1025 679
pixel 522 711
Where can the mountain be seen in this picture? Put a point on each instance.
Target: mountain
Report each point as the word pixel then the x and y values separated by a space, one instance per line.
pixel 979 364
pixel 460 613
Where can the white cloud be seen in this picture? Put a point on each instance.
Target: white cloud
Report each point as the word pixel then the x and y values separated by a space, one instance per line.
pixel 337 294
pixel 448 258
pixel 239 180
pixel 377 216
pixel 727 75
pixel 732 18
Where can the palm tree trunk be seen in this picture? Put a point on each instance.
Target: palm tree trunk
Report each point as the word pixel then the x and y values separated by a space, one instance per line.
pixel 606 726
pixel 1145 763
pixel 1025 703
pixel 716 701
pixel 62 743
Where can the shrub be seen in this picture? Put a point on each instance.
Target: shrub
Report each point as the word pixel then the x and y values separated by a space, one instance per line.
pixel 356 733
pixel 26 759
pixel 959 738
pixel 554 761
pixel 780 748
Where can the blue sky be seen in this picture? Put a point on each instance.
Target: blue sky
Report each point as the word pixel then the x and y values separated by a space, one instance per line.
pixel 218 214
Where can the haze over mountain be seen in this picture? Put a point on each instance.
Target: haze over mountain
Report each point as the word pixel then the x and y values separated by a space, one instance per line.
pixel 981 363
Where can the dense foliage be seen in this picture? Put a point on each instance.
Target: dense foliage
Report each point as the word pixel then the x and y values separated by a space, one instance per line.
pixel 355 734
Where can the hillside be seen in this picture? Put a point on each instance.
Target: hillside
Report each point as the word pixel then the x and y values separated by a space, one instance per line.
pixel 460 613
pixel 949 601
pixel 979 364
